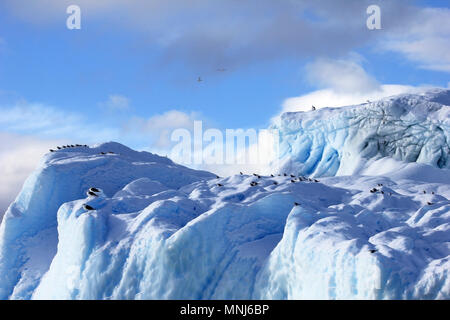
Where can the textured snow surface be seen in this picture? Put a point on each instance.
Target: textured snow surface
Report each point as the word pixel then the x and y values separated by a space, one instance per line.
pixel 328 142
pixel 161 231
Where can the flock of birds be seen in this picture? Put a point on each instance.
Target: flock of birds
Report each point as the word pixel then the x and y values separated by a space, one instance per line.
pixel 95 192
pixel 69 146
pixel 375 190
pixel 293 179
pixel 77 146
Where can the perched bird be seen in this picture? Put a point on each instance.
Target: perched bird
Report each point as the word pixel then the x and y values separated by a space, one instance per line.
pixel 102 152
pixel 284 174
pixel 217 177
pixel 373 190
pixel 292 176
pixel 373 250
pixel 272 175
pixel 296 204
pixel 59 148
pixel 275 182
pixel 315 180
pixel 424 191
pixel 253 183
pixel 87 207
pixel 92 194
pixel 220 185
pixel 241 173
pixel 94 189
pixel 51 150
pixel 313 108
pixel 293 181
pixel 430 203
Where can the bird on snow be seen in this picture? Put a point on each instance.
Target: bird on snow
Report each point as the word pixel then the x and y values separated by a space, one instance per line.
pixel 92 194
pixel 94 189
pixel 87 207
pixel 313 108
pixel 296 204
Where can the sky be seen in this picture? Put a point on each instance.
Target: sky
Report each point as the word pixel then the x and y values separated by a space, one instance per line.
pixel 130 73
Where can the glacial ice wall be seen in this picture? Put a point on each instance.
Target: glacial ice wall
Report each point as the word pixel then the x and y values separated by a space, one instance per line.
pixel 338 141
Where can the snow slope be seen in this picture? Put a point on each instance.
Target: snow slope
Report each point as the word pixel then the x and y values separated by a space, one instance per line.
pixel 328 142
pixel 28 234
pixel 236 241
pixel 161 231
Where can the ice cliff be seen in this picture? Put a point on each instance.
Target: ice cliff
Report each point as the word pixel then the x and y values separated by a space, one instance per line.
pixel 328 142
pixel 373 224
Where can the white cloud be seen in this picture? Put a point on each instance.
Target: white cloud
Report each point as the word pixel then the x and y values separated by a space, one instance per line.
pixel 116 102
pixel 49 122
pixel 161 126
pixel 426 40
pixel 345 76
pixel 341 83
pixel 334 98
pixel 19 156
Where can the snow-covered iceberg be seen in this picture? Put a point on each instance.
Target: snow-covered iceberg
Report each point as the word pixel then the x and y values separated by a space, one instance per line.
pixel 156 230
pixel 339 141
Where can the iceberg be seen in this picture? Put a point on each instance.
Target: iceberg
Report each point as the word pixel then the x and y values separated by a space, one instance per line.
pixel 360 219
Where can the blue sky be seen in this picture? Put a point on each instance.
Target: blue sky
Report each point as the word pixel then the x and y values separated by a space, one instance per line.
pixel 130 64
